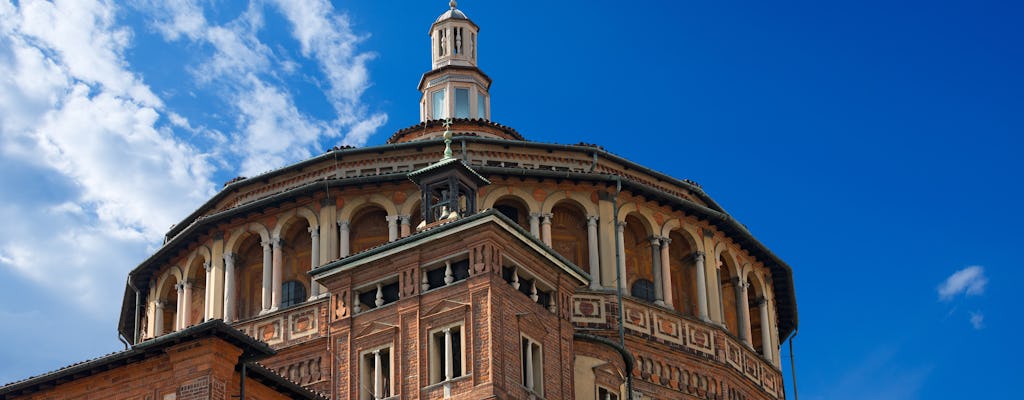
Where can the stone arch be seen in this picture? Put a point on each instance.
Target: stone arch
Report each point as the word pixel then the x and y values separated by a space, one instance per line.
pixel 682 267
pixel 368 227
pixel 355 205
pixel 285 218
pixel 755 295
pixel 569 231
pixel 247 247
pixel 728 277
pixel 515 208
pixel 638 256
pixel 492 196
pixel 296 242
pixel 166 295
pixel 579 199
pixel 231 246
pixel 196 276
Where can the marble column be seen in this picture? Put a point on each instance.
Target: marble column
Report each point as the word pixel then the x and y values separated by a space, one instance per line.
pixel 595 262
pixel 659 292
pixel 208 292
pixel 702 287
pixel 620 245
pixel 278 273
pixel 179 306
pixel 344 247
pixel 392 227
pixel 186 305
pixel 406 228
pixel 229 287
pixel 268 275
pixel 378 384
pixel 158 318
pixel 766 334
pixel 314 261
pixel 449 371
pixel 535 225
pixel 545 228
pixel 666 273
pixel 743 310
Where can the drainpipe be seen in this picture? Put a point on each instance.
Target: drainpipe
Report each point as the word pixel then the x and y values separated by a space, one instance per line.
pixel 792 363
pixel 618 283
pixel 135 326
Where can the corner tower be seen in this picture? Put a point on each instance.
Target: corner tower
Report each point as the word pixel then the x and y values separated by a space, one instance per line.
pixel 454 87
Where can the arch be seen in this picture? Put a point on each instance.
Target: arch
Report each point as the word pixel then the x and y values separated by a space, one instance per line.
pixel 638 257
pixel 581 200
pixel 755 295
pixel 296 251
pixel 496 194
pixel 369 228
pixel 357 204
pixel 167 292
pixel 195 276
pixel 514 208
pixel 253 227
pixel 286 218
pixel 683 271
pixel 569 232
pixel 411 205
pixel 728 278
pixel 248 251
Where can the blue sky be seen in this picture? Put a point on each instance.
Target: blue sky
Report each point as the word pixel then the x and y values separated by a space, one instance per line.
pixel 873 145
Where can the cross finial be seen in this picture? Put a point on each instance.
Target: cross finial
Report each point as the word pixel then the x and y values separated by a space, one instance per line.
pixel 448 136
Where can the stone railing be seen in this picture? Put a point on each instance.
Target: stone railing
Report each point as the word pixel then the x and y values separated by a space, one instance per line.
pixel 599 310
pixel 290 326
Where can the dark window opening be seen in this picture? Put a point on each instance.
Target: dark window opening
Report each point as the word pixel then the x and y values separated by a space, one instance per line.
pixel 292 293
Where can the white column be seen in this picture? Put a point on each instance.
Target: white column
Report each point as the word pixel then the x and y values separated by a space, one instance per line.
pixel 619 243
pixel 666 273
pixel 344 248
pixel 702 287
pixel 449 371
pixel 766 334
pixel 278 272
pixel 208 292
pixel 545 228
pixel 229 287
pixel 535 225
pixel 268 275
pixel 179 307
pixel 314 261
pixel 158 318
pixel 392 227
pixel 377 375
pixel 406 229
pixel 529 365
pixel 186 303
pixel 659 292
pixel 595 262
pixel 743 310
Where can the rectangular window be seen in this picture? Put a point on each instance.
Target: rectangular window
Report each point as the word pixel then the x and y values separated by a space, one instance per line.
pixel 446 355
pixel 533 366
pixel 438 104
pixel 461 103
pixel 375 374
pixel 606 394
pixel 481 106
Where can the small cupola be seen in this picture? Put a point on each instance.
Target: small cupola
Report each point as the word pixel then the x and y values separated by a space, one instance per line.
pixel 448 187
pixel 455 87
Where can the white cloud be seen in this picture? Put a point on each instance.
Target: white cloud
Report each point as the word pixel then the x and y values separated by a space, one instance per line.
pixel 82 130
pixel 977 320
pixel 969 281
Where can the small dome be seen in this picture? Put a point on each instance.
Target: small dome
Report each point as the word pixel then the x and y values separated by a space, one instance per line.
pixel 452 13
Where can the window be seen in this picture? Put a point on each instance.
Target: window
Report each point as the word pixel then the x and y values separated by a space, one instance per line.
pixel 438 104
pixel 373 297
pixel 292 293
pixel 643 289
pixel 461 103
pixel 481 106
pixel 606 394
pixel 375 374
pixel 446 355
pixel 533 366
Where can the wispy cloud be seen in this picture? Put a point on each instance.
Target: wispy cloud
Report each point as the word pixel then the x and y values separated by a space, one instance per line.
pixel 969 281
pixel 977 320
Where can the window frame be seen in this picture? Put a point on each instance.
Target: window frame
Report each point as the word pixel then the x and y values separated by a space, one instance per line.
pixel 364 374
pixel 435 354
pixel 537 363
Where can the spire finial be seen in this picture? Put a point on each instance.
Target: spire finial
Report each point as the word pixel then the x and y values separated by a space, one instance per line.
pixel 448 136
pixel 452 4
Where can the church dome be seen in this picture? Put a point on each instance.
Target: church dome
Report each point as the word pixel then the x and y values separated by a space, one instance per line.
pixel 452 13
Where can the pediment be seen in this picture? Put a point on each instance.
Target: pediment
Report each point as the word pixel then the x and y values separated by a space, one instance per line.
pixel 375 327
pixel 445 306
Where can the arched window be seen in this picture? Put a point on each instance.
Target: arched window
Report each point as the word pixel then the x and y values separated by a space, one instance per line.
pixel 569 234
pixel 728 295
pixel 684 273
pixel 638 253
pixel 643 289
pixel 369 229
pixel 249 278
pixel 515 210
pixel 292 293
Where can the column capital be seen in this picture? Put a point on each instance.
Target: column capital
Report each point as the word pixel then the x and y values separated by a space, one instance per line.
pixel 404 218
pixel 592 219
pixel 180 287
pixel 655 240
pixel 620 224
pixel 230 257
pixel 343 224
pixel 535 215
pixel 160 304
pixel 391 218
pixel 665 241
pixel 314 230
pixel 276 241
pixel 698 256
pixel 760 301
pixel 187 284
pixel 267 244
pixel 207 265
